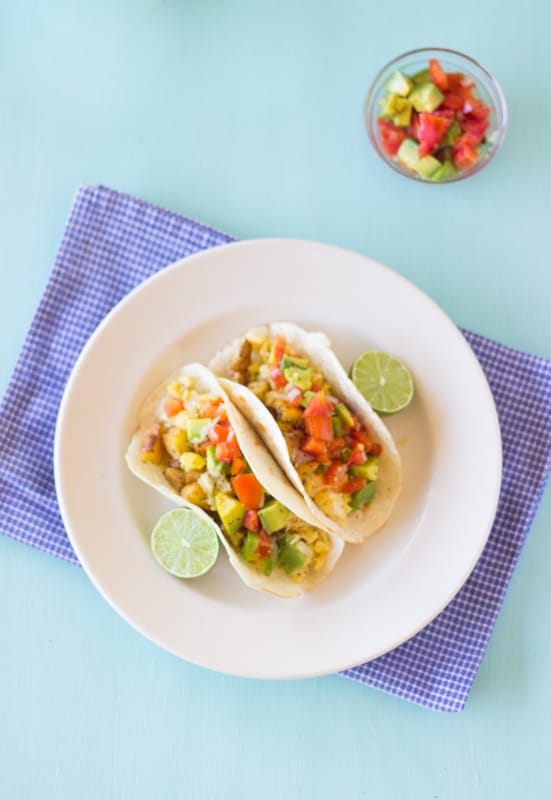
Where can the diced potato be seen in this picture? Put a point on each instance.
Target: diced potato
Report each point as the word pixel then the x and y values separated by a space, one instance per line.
pixel 175 477
pixel 259 388
pixel 194 494
pixel 153 449
pixel 175 441
pixel 290 414
pixel 192 462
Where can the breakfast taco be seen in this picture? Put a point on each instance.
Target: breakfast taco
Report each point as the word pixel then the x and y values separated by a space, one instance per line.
pixel 193 446
pixel 333 447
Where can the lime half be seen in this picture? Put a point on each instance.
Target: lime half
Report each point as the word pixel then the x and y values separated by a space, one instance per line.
pixel 185 543
pixel 383 380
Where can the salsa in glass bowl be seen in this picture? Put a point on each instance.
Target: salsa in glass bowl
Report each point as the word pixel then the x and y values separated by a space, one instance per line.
pixel 435 115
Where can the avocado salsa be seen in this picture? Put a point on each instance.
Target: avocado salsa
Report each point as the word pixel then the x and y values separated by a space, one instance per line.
pixel 196 447
pixel 330 448
pixel 433 123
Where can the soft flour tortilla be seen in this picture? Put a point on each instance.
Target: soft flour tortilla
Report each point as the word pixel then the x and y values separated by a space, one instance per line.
pixel 262 464
pixel 316 348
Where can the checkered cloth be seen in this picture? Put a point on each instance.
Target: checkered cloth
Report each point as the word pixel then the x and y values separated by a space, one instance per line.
pixel 112 242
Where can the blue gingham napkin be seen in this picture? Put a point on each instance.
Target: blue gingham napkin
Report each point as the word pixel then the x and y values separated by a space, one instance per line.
pixel 111 243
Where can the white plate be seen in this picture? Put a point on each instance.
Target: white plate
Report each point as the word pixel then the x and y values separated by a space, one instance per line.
pixel 382 592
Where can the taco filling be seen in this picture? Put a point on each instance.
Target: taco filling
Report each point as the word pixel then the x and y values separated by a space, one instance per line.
pixel 330 448
pixel 195 446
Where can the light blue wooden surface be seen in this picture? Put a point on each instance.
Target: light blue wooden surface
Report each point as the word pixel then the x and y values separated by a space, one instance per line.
pixel 248 116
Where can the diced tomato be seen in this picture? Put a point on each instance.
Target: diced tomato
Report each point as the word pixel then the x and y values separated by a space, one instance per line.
pixel 227 451
pixel 278 350
pixel 278 378
pixel 336 474
pixel 213 409
pixel 364 438
pixel 475 127
pixel 238 465
pixel 459 82
pixel 453 101
pixel 173 406
pixel 251 521
pixel 319 427
pixel 354 485
pixel 294 396
pixel 476 108
pixel 463 153
pixel 437 74
pixel 391 136
pixel 376 449
pixel 316 447
pixel 218 433
pixel 265 546
pixel 319 406
pixel 357 456
pixel 248 490
pixel 413 129
pixel 432 130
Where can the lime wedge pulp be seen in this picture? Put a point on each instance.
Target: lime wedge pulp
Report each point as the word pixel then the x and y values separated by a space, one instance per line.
pixel 185 543
pixel 383 380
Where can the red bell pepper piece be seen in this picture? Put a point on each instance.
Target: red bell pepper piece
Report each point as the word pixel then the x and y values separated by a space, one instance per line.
pixel 319 406
pixel 319 427
pixel 248 490
pixel 173 406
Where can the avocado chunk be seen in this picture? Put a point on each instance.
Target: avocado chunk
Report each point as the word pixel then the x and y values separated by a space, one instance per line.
pixel 344 414
pixel 267 564
pixel 250 549
pixel 273 517
pixel 230 511
pixel 213 465
pixel 363 496
pixel 192 462
pixel 368 470
pixel 402 118
pixel 289 558
pixel 250 546
pixel 301 378
pixel 398 83
pixel 427 166
pixel 197 429
pixel 425 97
pixel 396 108
pixel 446 170
pixel 292 361
pixel 306 398
pixel 408 153
pixel 423 76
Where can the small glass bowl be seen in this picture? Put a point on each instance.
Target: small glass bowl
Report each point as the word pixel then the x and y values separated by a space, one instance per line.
pixel 486 87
